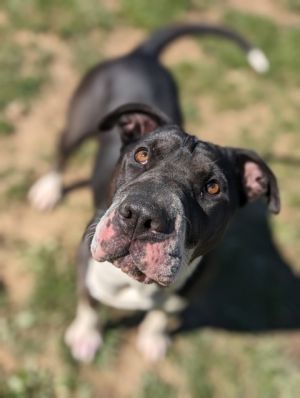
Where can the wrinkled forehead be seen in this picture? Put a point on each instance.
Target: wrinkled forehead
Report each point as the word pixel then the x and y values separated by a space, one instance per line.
pixel 168 138
pixel 207 156
pixel 172 140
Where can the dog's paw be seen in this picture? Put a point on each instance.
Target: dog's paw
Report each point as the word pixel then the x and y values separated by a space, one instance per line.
pixel 153 346
pixel 83 341
pixel 46 192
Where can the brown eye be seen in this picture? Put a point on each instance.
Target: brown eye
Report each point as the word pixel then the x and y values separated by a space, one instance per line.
pixel 141 156
pixel 213 188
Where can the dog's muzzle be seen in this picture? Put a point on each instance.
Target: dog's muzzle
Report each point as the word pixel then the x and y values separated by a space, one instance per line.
pixel 142 240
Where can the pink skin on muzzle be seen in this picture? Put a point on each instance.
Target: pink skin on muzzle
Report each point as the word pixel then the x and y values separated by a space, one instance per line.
pixel 104 234
pixel 145 261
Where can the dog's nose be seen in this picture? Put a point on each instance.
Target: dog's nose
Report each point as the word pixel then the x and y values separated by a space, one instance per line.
pixel 144 218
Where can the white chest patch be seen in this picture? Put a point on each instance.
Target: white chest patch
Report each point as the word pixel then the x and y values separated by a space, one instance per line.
pixel 113 287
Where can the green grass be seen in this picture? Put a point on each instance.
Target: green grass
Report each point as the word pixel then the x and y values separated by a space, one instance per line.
pixel 18 187
pixel 85 153
pixel 6 128
pixel 108 355
pixel 32 382
pixel 3 295
pixel 153 386
pixel 230 366
pixel 86 55
pixel 50 306
pixel 230 91
pixel 67 18
pixel 194 360
pixel 280 45
pixel 21 77
pixel 292 5
pixel 27 384
pixel 54 288
pixel 150 16
pixel 18 79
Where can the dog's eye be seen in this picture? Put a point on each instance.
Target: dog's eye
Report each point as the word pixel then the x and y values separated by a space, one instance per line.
pixel 141 156
pixel 213 187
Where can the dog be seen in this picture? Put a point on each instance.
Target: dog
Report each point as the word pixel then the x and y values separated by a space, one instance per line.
pixel 172 197
pixel 136 77
pixel 164 198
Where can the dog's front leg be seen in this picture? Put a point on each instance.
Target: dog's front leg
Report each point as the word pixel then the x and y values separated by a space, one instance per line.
pixel 83 336
pixel 153 339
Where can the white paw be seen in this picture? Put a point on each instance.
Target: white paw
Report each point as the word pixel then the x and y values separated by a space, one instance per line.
pixel 83 341
pixel 46 192
pixel 153 346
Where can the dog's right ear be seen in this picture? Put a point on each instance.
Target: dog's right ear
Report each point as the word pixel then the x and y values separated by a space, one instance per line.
pixel 255 177
pixel 134 120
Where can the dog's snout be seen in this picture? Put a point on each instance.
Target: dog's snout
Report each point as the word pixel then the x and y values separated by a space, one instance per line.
pixel 143 218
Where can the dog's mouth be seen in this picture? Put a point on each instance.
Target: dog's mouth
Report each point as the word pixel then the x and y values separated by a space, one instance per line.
pixel 125 263
pixel 148 260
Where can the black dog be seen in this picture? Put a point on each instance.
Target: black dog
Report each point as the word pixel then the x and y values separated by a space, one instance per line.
pixel 170 198
pixel 137 77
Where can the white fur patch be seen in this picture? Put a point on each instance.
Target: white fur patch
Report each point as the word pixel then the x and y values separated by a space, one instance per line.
pixel 113 287
pixel 153 340
pixel 83 335
pixel 258 60
pixel 46 192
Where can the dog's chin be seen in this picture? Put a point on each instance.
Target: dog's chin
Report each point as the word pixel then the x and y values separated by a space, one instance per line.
pixel 127 265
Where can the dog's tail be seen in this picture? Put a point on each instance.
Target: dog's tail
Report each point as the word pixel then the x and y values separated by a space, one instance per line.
pixel 162 37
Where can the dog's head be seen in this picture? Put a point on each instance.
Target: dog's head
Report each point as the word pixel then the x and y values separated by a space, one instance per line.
pixel 172 196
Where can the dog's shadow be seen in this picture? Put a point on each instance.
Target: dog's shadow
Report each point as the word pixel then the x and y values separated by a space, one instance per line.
pixel 243 285
pixel 247 285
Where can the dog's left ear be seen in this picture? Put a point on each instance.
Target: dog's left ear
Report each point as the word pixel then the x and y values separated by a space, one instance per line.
pixel 134 120
pixel 256 178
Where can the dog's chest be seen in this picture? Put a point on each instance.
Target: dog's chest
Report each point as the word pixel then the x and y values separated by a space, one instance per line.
pixel 113 287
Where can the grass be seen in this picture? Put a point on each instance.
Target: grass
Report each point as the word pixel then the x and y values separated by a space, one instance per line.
pixel 139 13
pixel 51 260
pixel 85 154
pixel 237 91
pixel 18 187
pixel 108 355
pixel 27 384
pixel 246 366
pixel 18 81
pixel 278 43
pixel 85 56
pixel 23 71
pixel 3 295
pixel 196 365
pixel 292 5
pixel 31 382
pixel 68 18
pixel 6 128
pixel 153 386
